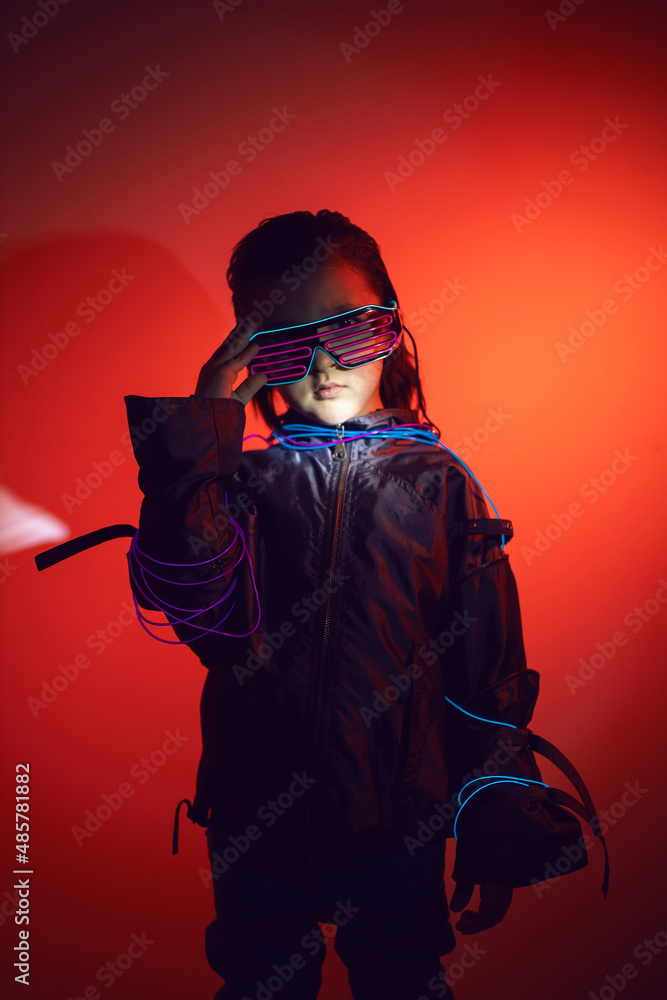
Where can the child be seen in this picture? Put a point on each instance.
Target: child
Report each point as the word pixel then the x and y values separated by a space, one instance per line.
pixel 349 593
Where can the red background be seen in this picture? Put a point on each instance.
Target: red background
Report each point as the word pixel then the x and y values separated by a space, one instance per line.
pixel 493 347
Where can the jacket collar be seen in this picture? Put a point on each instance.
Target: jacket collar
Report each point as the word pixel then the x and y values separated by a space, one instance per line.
pixel 379 418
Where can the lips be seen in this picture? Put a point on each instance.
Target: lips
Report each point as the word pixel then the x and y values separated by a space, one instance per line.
pixel 328 390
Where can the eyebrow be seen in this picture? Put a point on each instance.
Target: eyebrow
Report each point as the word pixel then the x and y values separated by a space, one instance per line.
pixel 345 308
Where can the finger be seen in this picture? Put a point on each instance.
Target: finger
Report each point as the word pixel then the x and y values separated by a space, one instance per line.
pixel 247 389
pixel 236 345
pixel 469 922
pixel 242 358
pixel 473 923
pixel 461 895
pixel 233 356
pixel 495 900
pixel 237 342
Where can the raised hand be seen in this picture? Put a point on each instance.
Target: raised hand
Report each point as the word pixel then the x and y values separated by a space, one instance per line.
pixel 218 375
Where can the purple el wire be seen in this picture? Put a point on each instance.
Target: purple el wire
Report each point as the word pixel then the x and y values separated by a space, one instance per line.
pixel 188 621
pixel 146 591
pixel 202 562
pixel 383 432
pixel 162 604
pixel 144 587
pixel 179 583
pixel 194 583
pixel 379 431
pixel 175 642
pixel 134 548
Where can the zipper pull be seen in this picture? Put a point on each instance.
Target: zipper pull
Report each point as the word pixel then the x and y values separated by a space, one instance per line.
pixel 339 449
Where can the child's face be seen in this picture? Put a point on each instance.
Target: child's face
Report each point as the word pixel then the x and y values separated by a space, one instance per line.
pixel 324 293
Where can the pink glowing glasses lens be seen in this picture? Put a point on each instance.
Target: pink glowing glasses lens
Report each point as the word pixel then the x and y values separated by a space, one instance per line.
pixel 352 339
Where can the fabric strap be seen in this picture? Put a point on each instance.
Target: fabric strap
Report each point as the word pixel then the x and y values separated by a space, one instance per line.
pixel 70 548
pixel 587 810
pixel 482 526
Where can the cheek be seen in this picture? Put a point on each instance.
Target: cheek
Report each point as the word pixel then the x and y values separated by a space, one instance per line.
pixel 369 376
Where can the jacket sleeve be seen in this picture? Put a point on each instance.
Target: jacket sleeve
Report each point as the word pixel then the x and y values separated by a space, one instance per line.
pixel 190 553
pixel 506 831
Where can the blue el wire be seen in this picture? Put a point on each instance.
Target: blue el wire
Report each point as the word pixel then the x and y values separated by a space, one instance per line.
pixel 495 780
pixel 489 778
pixel 297 431
pixel 494 722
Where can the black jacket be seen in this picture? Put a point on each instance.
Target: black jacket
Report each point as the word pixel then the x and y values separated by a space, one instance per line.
pixel 384 589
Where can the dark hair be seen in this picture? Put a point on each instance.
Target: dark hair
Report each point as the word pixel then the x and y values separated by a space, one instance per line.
pixel 281 242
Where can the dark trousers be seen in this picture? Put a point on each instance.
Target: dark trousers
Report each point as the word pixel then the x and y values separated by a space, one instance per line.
pixel 388 908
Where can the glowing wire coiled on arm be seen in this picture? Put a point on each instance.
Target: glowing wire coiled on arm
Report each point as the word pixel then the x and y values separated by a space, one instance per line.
pixel 137 555
pixel 490 778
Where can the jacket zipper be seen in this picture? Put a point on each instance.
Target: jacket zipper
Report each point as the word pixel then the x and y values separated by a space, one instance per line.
pixel 341 455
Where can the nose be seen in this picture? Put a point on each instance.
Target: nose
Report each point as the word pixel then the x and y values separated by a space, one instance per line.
pixel 322 362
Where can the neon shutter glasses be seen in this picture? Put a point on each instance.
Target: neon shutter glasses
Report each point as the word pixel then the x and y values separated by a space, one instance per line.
pixel 353 338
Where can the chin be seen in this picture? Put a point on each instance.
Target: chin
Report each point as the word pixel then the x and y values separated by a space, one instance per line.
pixel 330 411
